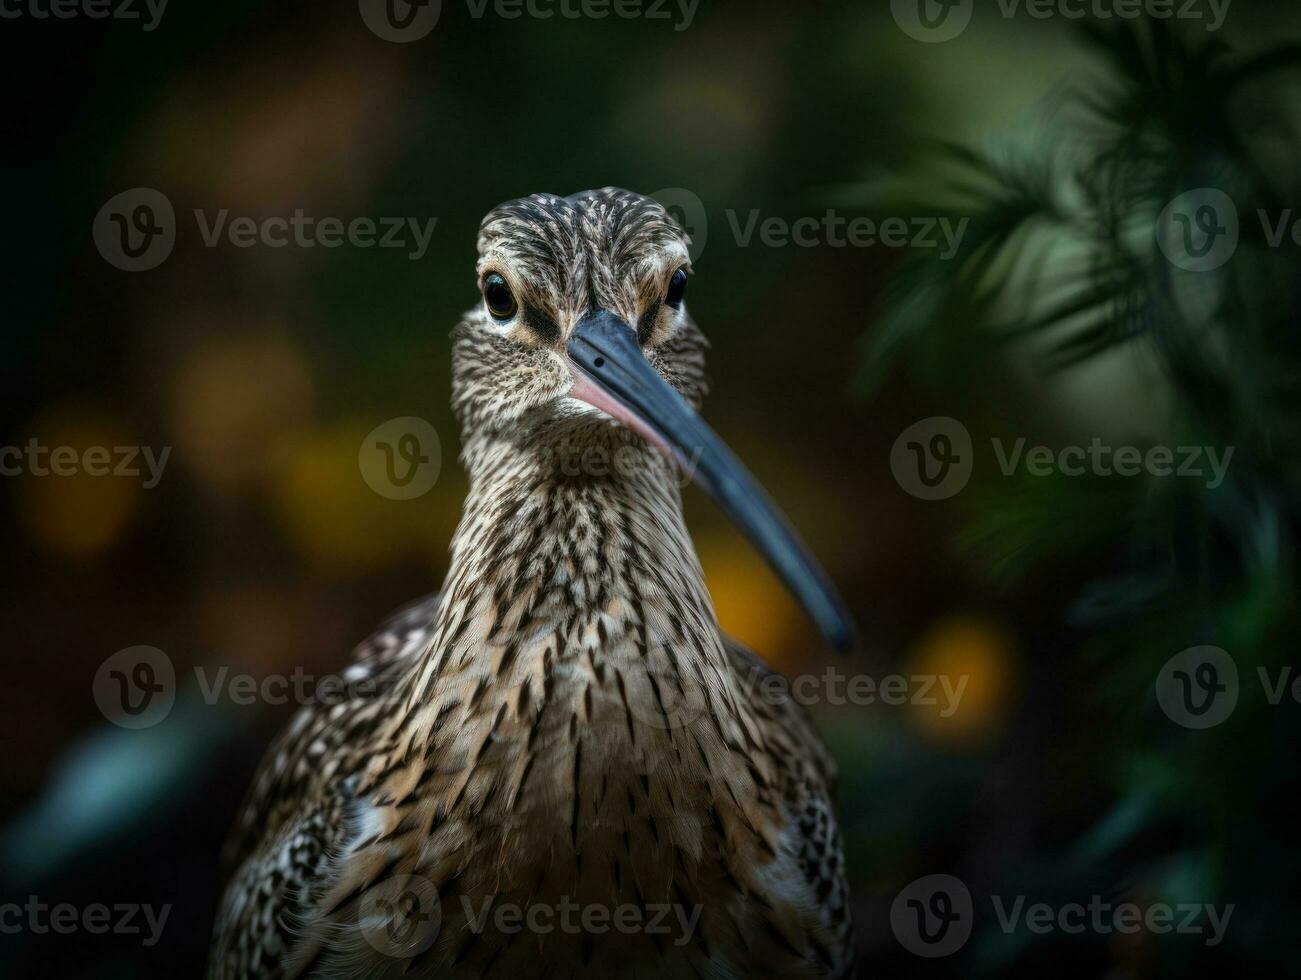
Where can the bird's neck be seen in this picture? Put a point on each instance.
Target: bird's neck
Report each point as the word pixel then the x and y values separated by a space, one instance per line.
pixel 574 728
pixel 574 551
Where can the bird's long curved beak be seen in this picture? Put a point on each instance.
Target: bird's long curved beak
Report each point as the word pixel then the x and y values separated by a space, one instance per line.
pixel 611 374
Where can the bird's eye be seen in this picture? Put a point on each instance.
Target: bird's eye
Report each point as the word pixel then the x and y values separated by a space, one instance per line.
pixel 677 288
pixel 501 302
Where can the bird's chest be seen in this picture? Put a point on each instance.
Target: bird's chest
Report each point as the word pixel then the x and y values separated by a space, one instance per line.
pixel 589 773
pixel 575 809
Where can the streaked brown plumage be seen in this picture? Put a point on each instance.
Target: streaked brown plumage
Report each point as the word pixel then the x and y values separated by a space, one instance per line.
pixel 565 722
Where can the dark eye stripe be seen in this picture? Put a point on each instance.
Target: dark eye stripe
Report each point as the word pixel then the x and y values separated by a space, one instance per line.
pixel 647 322
pixel 542 326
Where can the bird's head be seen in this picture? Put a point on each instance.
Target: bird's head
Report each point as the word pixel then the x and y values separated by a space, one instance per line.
pixel 553 270
pixel 582 339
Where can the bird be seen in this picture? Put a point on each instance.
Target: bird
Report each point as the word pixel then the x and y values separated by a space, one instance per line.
pixel 560 765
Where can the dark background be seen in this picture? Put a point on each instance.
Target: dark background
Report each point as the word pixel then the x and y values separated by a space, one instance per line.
pixel 262 549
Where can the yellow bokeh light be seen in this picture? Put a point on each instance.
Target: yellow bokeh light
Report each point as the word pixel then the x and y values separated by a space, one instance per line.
pixel 751 603
pixel 976 657
pixel 339 522
pixel 234 402
pixel 80 508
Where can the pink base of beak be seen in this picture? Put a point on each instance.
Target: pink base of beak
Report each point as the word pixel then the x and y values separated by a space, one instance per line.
pixel 588 391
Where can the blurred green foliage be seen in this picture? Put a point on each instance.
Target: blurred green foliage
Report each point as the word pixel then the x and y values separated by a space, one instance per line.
pixel 1062 268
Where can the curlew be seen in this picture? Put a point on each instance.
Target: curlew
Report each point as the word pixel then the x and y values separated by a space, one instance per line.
pixel 559 765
